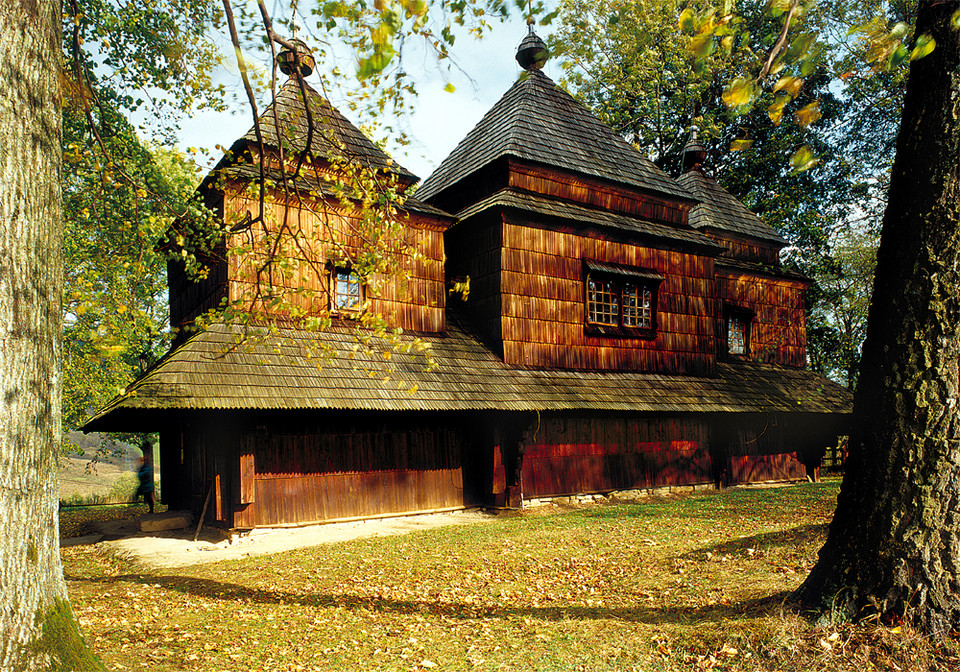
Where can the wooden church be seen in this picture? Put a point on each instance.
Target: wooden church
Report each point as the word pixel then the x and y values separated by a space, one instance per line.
pixel 623 329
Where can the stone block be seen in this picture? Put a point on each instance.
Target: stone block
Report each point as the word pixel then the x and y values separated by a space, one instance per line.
pixel 161 522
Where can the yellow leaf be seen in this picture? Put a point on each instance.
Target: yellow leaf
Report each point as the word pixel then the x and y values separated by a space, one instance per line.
pixel 449 88
pixel 121 309
pixel 740 145
pixel 808 114
pixel 741 91
pixel 788 84
pixel 925 45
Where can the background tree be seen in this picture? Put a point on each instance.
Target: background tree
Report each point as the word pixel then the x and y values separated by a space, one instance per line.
pixel 894 543
pixel 651 81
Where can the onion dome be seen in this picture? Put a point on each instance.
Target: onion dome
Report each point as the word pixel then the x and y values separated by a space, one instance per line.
pixel 287 60
pixel 532 52
pixel 694 153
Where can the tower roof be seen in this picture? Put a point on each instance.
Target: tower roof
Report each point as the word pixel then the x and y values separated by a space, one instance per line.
pixel 537 121
pixel 333 135
pixel 721 210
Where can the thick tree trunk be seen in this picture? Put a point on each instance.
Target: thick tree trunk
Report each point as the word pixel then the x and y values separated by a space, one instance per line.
pixel 38 630
pixel 894 544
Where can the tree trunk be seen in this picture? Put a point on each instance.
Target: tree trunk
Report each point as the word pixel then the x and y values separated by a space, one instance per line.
pixel 35 620
pixel 894 544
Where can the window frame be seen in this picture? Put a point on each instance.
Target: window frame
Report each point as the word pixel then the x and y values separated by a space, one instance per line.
pixel 333 271
pixel 745 316
pixel 620 276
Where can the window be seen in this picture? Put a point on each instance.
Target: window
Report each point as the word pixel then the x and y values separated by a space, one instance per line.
pixel 620 300
pixel 738 331
pixel 345 291
pixel 736 335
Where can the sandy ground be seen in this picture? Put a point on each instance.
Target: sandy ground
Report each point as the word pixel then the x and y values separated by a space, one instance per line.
pixel 177 548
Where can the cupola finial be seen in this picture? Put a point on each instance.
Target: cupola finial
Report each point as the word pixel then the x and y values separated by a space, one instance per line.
pixel 287 59
pixel 694 153
pixel 532 52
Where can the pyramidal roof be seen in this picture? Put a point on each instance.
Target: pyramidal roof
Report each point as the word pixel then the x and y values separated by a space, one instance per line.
pixel 333 135
pixel 536 120
pixel 719 209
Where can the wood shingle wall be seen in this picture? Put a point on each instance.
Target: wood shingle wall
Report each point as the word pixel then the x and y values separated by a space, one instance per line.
pixel 778 332
pixel 597 193
pixel 543 304
pixel 314 239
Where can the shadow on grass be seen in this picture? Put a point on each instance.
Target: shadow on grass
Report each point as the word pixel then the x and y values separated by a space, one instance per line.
pixel 795 537
pixel 680 615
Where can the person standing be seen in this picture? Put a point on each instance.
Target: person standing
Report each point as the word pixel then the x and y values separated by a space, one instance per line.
pixel 145 474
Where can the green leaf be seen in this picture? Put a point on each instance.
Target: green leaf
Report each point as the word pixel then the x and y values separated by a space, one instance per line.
pixel 900 56
pixel 803 159
pixel 702 45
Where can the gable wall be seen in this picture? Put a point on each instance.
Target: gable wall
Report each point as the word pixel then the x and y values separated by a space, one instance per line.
pixel 414 299
pixel 778 330
pixel 542 304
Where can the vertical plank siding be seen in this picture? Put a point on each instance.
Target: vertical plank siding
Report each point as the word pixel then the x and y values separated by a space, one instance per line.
pixel 542 304
pixel 766 448
pixel 582 454
pixel 333 470
pixel 596 192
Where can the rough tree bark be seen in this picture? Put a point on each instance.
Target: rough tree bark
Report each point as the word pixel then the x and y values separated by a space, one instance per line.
pixel 38 629
pixel 894 545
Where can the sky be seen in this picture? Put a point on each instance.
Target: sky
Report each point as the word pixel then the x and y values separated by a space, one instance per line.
pixel 440 119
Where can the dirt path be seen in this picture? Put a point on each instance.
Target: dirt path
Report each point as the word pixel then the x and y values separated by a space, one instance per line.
pixel 176 549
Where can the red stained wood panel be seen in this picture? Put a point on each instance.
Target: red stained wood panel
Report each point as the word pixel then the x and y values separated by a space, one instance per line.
pixel 578 454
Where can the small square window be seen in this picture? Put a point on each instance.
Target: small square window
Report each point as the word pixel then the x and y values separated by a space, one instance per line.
pixel 346 291
pixel 620 300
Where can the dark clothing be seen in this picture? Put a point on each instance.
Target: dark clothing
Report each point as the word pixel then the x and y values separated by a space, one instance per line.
pixel 145 474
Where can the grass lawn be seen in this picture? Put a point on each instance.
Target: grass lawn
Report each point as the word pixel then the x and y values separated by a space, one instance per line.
pixel 681 583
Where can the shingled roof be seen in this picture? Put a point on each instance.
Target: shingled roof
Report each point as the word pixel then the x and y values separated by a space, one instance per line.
pixel 333 135
pixel 584 215
pixel 536 120
pixel 211 372
pixel 721 210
